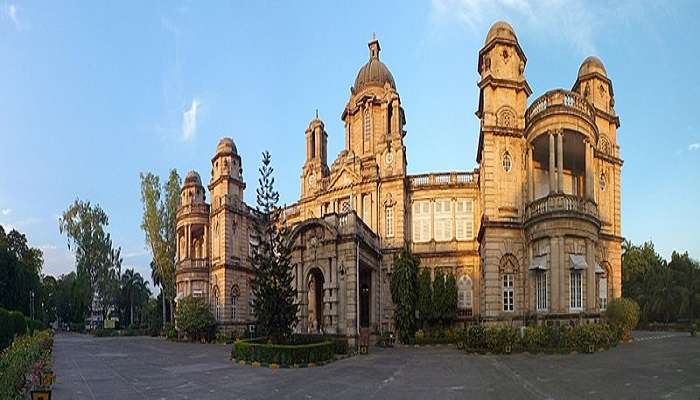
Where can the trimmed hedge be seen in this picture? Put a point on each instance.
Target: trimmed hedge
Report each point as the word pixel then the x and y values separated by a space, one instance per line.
pixel 283 354
pixel 623 314
pixel 17 360
pixel 102 332
pixel 14 323
pixel 537 339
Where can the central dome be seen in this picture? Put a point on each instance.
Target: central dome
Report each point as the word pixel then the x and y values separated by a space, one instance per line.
pixel 374 72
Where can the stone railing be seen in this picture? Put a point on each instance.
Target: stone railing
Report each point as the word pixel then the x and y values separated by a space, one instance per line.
pixel 443 179
pixel 291 210
pixel 562 100
pixel 201 208
pixel 557 203
pixel 194 263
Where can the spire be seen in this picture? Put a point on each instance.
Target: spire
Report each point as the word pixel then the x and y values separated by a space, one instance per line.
pixel 374 46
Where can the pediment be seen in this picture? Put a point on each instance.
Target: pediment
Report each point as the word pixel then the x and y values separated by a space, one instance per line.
pixel 343 178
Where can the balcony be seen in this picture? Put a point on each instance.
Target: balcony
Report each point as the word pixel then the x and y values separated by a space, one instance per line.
pixel 202 209
pixel 561 205
pixel 443 179
pixel 560 101
pixel 194 264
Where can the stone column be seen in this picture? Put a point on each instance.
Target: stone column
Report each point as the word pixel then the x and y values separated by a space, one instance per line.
pixel 560 161
pixel 530 174
pixel 554 274
pixel 347 133
pixel 589 171
pixel 188 241
pixel 552 179
pixel 317 134
pixel 205 246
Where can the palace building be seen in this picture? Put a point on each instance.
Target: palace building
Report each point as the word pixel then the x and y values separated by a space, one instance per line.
pixel 532 233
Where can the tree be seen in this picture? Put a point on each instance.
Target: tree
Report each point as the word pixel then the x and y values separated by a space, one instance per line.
pixel 20 269
pixel 440 297
pixel 159 226
pixel 275 297
pixel 450 299
pixel 194 318
pixel 97 262
pixel 687 277
pixel 425 299
pixel 403 293
pixel 134 295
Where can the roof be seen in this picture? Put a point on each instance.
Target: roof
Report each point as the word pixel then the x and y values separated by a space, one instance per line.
pixel 591 65
pixel 501 30
pixel 374 72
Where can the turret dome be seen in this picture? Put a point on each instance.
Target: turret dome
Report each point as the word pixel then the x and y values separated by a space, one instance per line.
pixel 374 72
pixel 501 30
pixel 193 178
pixel 591 65
pixel 226 146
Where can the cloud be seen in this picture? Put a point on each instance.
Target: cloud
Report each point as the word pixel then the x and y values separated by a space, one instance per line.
pixel 694 146
pixel 189 120
pixel 5 211
pixel 575 23
pixel 10 12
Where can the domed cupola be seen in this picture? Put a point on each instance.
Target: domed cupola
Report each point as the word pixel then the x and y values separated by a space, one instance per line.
pixel 192 191
pixel 592 65
pixel 374 73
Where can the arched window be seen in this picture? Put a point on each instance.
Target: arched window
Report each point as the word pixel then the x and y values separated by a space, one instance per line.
pixel 603 291
pixel 603 182
pixel 464 293
pixel 234 303
pixel 217 304
pixel 251 298
pixel 508 269
pixel 507 162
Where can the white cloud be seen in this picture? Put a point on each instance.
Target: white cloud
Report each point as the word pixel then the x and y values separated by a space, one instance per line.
pixel 694 146
pixel 189 120
pixel 575 23
pixel 5 211
pixel 10 11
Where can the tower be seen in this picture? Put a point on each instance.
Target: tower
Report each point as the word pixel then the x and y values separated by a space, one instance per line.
pixel 315 170
pixel 374 119
pixel 503 93
pixel 229 226
pixel 192 227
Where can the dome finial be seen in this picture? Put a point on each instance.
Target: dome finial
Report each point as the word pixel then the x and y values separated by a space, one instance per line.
pixel 374 48
pixel 317 113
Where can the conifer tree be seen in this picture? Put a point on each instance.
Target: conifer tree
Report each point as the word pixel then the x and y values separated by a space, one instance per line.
pixel 425 298
pixel 403 293
pixel 275 297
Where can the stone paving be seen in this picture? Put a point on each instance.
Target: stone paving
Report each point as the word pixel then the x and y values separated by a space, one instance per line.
pixel 657 366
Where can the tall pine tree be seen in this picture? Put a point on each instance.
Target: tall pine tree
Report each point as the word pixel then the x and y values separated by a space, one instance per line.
pixel 275 297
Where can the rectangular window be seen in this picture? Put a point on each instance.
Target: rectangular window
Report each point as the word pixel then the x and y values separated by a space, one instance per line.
pixel 603 293
pixel 389 221
pixel 541 283
pixel 421 221
pixel 508 295
pixel 443 220
pixel 575 290
pixel 234 304
pixel 464 219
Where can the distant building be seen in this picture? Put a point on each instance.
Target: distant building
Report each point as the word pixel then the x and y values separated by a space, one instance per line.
pixel 532 233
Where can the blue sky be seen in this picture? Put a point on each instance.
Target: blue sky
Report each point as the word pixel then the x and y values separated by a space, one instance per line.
pixel 92 93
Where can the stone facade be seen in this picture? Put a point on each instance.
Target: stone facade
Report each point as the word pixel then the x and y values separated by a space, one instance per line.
pixel 532 233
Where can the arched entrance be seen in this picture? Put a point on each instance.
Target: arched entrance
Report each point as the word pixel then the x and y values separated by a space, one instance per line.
pixel 365 297
pixel 315 300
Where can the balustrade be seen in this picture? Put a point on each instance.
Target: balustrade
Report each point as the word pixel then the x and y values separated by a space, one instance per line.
pixel 561 98
pixel 561 203
pixel 442 178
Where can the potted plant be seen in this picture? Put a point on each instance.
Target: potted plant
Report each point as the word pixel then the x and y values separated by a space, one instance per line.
pixel 41 379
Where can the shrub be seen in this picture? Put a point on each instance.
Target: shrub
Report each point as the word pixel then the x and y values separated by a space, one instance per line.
pixel 282 354
pixel 19 323
pixel 169 331
pixel 17 360
pixel 7 331
pixel 623 314
pixel 34 325
pixel 194 319
pixel 420 337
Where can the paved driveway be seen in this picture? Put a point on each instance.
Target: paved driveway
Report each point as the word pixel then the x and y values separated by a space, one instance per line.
pixel 657 366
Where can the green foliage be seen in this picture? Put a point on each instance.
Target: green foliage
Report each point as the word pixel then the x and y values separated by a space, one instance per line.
pixel 101 332
pixel 536 339
pixel 97 261
pixel 7 329
pixel 194 319
pixel 404 293
pixel 275 297
pixel 284 355
pixel 20 268
pixel 666 291
pixel 440 299
pixel 72 299
pixel 133 298
pixel 425 299
pixel 623 314
pixel 19 323
pixel 450 300
pixel 16 362
pixel 158 223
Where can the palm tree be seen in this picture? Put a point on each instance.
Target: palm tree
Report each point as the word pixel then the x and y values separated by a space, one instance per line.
pixel 134 288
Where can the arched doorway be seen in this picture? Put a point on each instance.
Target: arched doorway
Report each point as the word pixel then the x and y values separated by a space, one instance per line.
pixel 315 300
